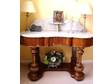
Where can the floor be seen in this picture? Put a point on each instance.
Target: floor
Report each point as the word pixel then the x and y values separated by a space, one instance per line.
pixel 57 77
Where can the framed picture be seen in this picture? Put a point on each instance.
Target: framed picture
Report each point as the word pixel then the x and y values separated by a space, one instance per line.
pixel 58 17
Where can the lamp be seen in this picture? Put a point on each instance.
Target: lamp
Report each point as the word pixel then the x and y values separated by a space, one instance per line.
pixel 85 10
pixel 28 8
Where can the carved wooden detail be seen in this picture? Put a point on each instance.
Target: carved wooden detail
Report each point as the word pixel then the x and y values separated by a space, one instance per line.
pixel 73 61
pixel 59 41
pixel 32 41
pixel 79 75
pixel 34 67
pixel 82 42
pixel 75 67
pixel 50 41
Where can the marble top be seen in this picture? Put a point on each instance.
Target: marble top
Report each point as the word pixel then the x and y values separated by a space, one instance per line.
pixel 57 34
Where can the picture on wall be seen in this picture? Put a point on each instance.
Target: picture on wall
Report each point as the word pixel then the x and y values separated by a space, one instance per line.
pixel 58 17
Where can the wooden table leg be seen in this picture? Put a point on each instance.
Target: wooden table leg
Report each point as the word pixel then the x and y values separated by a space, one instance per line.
pixel 34 67
pixel 79 75
pixel 73 61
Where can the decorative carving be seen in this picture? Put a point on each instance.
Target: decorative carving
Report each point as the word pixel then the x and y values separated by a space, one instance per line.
pixel 34 67
pixel 75 67
pixel 79 75
pixel 73 61
pixel 33 74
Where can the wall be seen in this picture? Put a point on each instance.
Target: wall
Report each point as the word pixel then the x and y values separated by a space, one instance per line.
pixel 45 10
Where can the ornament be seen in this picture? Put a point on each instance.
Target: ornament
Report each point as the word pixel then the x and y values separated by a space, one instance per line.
pixel 54 58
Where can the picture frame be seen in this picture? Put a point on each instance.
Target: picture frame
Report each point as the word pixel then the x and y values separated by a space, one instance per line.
pixel 58 16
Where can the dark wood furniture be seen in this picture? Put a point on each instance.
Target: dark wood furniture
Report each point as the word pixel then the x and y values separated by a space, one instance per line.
pixel 75 68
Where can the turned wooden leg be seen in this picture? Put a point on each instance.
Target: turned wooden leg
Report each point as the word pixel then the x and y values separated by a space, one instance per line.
pixel 34 67
pixel 79 75
pixel 73 61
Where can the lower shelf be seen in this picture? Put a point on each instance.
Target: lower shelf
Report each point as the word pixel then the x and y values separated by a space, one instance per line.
pixel 63 67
